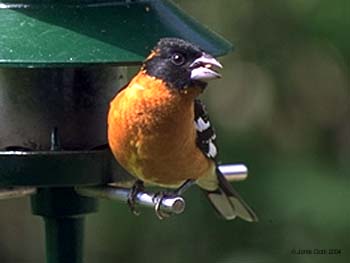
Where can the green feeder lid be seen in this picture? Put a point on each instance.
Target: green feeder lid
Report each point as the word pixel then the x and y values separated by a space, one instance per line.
pixel 44 33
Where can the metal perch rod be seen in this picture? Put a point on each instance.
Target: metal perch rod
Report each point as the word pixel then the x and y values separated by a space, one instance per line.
pixel 15 192
pixel 234 172
pixel 171 204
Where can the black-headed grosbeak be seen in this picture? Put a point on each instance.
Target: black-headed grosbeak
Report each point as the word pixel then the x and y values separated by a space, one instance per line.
pixel 161 134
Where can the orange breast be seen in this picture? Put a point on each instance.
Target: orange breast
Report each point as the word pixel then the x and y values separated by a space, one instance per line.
pixel 152 135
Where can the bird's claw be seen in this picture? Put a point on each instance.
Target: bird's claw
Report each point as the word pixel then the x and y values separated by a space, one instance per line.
pixel 136 188
pixel 158 198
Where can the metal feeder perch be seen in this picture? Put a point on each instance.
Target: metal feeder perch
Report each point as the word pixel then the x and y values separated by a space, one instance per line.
pixel 60 64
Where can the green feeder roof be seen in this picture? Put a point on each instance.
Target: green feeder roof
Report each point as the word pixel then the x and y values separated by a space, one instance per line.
pixel 81 32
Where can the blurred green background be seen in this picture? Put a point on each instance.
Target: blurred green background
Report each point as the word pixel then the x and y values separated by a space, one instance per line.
pixel 281 108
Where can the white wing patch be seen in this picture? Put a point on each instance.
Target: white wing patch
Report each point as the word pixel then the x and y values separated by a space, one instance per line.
pixel 212 150
pixel 202 125
pixel 205 132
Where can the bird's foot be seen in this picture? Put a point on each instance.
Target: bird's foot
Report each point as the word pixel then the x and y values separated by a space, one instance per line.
pixel 160 196
pixel 136 188
pixel 158 199
pixel 187 184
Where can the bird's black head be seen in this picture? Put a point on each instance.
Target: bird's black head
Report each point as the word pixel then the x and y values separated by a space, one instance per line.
pixel 180 63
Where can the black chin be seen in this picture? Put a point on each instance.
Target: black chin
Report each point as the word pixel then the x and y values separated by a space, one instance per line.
pixel 199 83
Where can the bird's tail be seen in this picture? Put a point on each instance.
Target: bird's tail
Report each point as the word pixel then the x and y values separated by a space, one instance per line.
pixel 227 202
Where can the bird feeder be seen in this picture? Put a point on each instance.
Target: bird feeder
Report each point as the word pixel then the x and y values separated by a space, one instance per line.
pixel 60 64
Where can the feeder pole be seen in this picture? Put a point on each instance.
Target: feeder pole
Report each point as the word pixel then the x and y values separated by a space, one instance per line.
pixel 63 212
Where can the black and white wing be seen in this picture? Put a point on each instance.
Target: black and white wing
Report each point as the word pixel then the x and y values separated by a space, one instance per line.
pixel 224 198
pixel 205 132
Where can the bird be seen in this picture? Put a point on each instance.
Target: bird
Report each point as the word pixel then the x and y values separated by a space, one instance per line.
pixel 159 131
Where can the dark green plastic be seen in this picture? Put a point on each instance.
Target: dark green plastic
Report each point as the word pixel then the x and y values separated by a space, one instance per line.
pixel 64 239
pixel 61 201
pixel 65 33
pixel 55 168
pixel 63 210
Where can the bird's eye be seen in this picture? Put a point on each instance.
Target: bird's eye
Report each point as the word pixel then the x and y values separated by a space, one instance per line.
pixel 178 59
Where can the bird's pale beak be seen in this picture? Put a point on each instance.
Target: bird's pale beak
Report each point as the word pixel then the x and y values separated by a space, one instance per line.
pixel 204 68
